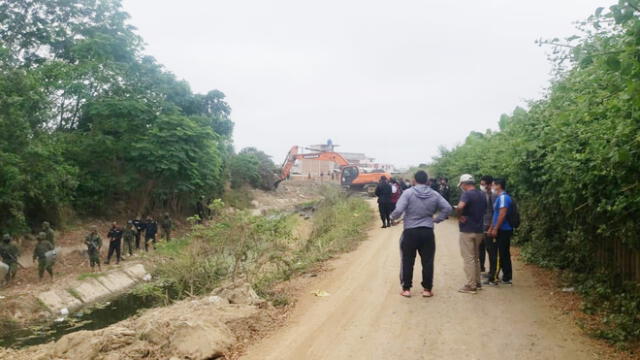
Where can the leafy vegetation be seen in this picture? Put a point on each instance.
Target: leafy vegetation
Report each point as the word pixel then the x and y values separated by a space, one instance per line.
pixel 252 167
pixel 90 124
pixel 572 160
pixel 261 250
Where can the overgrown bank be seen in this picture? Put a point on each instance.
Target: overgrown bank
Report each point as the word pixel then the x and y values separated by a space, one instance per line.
pixel 572 162
pixel 260 250
pixel 233 249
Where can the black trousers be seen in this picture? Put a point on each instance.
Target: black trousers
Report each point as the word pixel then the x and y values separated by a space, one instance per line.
pixel 482 253
pixel 385 212
pixel 492 250
pixel 147 239
pixel 114 246
pixel 499 250
pixel 422 241
pixel 138 240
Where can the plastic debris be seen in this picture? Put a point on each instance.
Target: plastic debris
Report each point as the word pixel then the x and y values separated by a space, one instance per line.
pixel 64 311
pixel 320 293
pixel 147 277
pixel 568 289
pixel 216 300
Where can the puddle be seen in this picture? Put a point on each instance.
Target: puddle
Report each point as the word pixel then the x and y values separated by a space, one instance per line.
pixel 93 318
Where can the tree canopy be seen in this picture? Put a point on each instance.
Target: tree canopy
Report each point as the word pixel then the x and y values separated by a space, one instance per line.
pixel 91 124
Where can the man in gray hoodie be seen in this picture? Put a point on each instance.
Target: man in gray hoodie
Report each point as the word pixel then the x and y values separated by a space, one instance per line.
pixel 419 204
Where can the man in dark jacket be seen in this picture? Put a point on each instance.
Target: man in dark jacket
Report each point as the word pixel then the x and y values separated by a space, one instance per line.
pixel 383 192
pixel 151 227
pixel 138 224
pixel 115 243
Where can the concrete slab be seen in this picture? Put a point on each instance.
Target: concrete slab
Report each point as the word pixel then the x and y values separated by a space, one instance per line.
pixel 55 300
pixel 91 290
pixel 117 281
pixel 136 271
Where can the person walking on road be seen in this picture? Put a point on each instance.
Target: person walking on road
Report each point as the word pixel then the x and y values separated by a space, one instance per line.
pixel 419 204
pixel 502 231
pixel 488 244
pixel 383 192
pixel 471 210
pixel 115 243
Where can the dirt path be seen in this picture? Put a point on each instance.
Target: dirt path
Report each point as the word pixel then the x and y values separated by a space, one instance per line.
pixel 365 317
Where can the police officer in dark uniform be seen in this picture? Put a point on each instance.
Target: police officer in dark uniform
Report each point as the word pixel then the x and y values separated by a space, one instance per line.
pixel 151 227
pixel 115 242
pixel 138 224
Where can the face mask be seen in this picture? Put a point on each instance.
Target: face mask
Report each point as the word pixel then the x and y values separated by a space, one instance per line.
pixel 483 189
pixel 493 191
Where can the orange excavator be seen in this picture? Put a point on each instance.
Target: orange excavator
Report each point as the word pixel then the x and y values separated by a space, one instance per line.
pixel 351 176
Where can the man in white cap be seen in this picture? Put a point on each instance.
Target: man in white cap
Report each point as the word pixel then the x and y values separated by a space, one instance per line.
pixel 471 209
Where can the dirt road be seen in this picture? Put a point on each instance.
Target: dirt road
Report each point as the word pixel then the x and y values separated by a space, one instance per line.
pixel 365 317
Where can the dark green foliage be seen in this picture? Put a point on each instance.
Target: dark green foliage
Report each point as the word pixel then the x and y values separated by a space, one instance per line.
pixel 573 159
pixel 88 122
pixel 252 167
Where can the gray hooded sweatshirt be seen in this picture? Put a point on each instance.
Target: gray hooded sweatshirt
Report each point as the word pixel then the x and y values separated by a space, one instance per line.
pixel 419 204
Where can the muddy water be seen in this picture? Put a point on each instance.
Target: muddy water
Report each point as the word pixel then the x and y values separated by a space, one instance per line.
pixel 95 318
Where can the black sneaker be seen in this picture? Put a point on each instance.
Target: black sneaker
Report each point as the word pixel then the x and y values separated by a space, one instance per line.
pixel 507 282
pixel 490 283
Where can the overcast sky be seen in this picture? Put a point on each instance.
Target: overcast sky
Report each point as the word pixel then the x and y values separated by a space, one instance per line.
pixel 393 79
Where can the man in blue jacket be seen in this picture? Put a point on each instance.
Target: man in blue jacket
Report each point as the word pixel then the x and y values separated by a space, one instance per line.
pixel 502 231
pixel 419 204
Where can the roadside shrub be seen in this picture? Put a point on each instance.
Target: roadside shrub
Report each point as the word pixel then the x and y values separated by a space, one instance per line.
pixel 572 161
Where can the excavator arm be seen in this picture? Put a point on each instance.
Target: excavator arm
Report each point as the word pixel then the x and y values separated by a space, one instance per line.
pixel 293 155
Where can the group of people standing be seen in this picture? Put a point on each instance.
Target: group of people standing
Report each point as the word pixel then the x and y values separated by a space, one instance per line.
pixel 44 252
pixel 131 234
pixel 487 217
pixel 389 191
pixel 45 249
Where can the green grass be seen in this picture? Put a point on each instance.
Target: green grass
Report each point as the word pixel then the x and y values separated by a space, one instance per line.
pixel 238 198
pixel 89 275
pixel 262 250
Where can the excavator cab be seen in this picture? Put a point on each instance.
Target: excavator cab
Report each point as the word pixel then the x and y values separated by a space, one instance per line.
pixel 349 174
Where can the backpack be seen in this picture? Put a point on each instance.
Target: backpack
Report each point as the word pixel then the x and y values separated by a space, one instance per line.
pixel 513 216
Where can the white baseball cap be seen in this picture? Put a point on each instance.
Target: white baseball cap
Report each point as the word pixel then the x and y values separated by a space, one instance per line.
pixel 466 178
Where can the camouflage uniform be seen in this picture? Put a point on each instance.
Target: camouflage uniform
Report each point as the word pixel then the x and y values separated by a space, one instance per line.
pixel 129 235
pixel 166 224
pixel 94 244
pixel 40 253
pixel 46 228
pixel 10 254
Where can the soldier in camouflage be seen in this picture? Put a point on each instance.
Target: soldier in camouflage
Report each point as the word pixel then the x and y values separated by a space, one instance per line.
pixel 129 236
pixel 166 225
pixel 40 252
pixel 94 244
pixel 46 228
pixel 10 254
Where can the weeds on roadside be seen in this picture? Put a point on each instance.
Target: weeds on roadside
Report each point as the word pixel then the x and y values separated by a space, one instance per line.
pixel 261 250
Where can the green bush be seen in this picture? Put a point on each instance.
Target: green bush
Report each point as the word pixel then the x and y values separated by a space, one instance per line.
pixel 572 162
pixel 252 167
